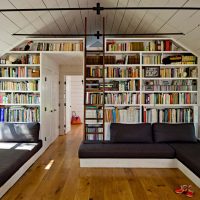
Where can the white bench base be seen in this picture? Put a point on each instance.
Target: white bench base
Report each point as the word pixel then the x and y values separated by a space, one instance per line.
pixel 139 163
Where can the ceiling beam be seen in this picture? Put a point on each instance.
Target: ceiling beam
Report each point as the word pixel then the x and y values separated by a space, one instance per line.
pixel 98 8
pixel 98 34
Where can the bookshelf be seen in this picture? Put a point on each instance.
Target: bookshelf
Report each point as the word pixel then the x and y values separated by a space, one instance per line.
pixel 20 87
pixel 27 73
pixel 164 77
pixel 94 91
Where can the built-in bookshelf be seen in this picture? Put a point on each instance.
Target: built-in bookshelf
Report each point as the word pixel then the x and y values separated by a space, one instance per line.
pixel 94 95
pixel 50 45
pixel 20 87
pixel 20 76
pixel 150 80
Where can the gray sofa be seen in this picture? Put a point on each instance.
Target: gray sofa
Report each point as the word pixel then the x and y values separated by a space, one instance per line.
pixel 156 141
pixel 18 143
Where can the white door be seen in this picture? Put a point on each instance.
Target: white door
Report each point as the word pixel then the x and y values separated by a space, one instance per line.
pixel 77 95
pixel 55 106
pixel 68 104
pixel 46 125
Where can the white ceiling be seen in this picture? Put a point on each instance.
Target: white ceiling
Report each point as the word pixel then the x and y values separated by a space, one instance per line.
pixel 120 21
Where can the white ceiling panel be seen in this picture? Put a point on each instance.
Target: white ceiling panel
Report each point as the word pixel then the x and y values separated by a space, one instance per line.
pixel 116 21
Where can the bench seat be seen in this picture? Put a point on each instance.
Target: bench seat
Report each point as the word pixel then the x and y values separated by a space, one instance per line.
pixel 110 150
pixel 13 156
pixel 188 154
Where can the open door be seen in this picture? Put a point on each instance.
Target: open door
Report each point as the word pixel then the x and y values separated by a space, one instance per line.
pixel 68 104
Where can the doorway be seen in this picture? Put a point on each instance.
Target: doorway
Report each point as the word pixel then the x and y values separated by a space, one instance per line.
pixel 74 99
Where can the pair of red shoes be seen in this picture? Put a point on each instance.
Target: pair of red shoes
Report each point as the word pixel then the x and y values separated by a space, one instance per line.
pixel 185 189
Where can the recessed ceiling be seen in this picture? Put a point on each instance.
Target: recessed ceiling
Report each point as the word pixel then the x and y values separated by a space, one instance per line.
pixel 117 21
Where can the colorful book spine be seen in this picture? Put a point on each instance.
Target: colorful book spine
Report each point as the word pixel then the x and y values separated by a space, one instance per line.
pixel 168 115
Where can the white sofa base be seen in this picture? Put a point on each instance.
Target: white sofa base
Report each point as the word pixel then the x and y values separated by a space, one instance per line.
pixel 139 163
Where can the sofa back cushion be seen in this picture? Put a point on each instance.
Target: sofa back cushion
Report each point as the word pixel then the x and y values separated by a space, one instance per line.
pixel 174 132
pixel 19 132
pixel 131 133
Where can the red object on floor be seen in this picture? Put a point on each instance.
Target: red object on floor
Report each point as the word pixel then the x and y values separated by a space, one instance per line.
pixel 189 192
pixel 181 189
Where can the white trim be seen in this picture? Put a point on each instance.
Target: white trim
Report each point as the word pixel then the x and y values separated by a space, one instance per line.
pixel 192 78
pixel 128 163
pixel 20 78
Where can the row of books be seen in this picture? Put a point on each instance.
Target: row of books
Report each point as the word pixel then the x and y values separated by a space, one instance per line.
pixel 169 88
pixel 166 98
pixel 93 98
pixel 153 59
pixel 178 72
pixel 157 45
pixel 19 114
pixel 95 72
pixel 95 60
pixel 63 46
pixel 168 115
pixel 20 85
pixel 187 82
pixel 93 129
pixel 19 98
pixel 160 45
pixel 129 85
pixel 119 59
pixel 97 113
pixel 12 72
pixel 180 59
pixel 26 59
pixel 122 115
pixel 124 98
pixel 94 137
pixel 132 72
pixel 124 46
pixel 170 85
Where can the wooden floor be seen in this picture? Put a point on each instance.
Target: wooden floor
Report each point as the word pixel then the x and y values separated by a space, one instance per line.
pixel 65 180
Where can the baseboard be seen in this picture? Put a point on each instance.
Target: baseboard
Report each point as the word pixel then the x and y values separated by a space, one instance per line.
pixel 128 163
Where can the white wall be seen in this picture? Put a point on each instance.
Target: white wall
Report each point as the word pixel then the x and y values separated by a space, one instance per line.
pixel 77 95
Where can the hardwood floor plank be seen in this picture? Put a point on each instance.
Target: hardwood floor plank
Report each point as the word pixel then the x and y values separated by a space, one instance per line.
pixel 65 180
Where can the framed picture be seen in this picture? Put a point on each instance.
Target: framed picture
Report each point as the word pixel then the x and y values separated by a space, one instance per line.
pixel 152 71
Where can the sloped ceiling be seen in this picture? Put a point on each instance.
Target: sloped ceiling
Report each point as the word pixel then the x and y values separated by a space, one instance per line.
pixel 121 21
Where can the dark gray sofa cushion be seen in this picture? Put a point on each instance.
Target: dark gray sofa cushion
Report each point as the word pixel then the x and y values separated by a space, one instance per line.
pixel 19 132
pixel 131 133
pixel 188 154
pixel 13 156
pixel 110 150
pixel 174 132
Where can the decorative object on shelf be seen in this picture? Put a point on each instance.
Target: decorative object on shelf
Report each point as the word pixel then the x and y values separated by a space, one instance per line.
pixel 152 71
pixel 149 85
pixel 28 46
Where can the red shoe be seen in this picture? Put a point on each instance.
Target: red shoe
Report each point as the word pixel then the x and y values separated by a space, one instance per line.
pixel 189 192
pixel 182 189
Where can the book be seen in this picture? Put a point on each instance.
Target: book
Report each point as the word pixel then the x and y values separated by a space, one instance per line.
pixel 168 115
